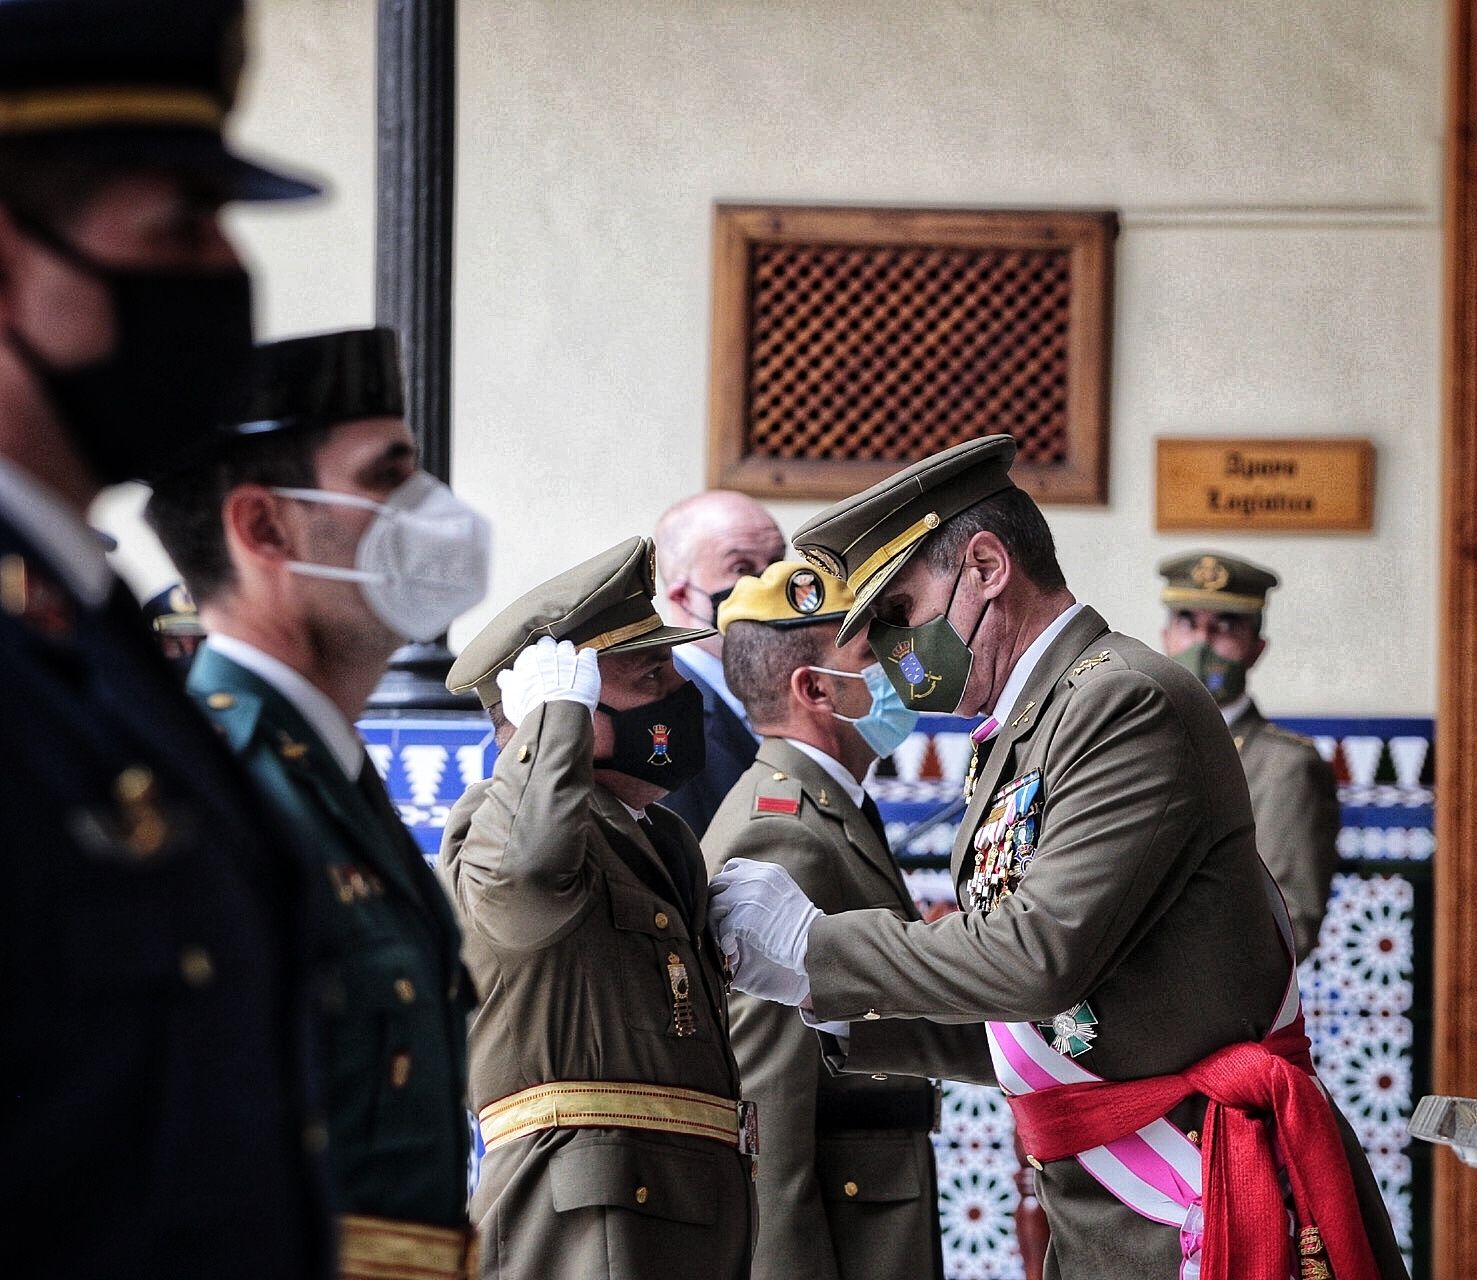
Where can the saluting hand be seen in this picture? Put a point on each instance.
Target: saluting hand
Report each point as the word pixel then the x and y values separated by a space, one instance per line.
pixel 550 671
pixel 761 916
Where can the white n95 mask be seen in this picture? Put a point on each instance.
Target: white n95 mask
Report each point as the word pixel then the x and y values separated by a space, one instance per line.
pixel 421 562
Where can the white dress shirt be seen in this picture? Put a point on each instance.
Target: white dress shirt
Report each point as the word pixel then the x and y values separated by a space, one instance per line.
pixel 315 706
pixel 834 768
pixel 1233 710
pixel 71 546
pixel 1026 664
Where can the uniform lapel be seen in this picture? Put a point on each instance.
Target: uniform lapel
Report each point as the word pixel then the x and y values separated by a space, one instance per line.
pixel 631 843
pixel 1079 635
pixel 1247 726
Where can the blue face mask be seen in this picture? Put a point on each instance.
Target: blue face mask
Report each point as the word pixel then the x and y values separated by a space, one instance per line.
pixel 885 727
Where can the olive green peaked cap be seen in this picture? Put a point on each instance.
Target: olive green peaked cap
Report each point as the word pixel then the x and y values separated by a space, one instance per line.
pixel 866 539
pixel 604 604
pixel 1209 580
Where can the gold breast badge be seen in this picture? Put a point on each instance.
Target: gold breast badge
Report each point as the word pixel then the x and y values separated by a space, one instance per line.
pixel 682 1019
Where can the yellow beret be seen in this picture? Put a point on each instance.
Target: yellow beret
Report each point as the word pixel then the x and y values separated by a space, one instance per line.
pixel 790 593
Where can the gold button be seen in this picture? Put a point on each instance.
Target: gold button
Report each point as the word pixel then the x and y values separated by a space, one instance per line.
pixel 879 1077
pixel 641 1194
pixel 779 777
pixel 400 1069
pixel 871 1015
pixel 135 785
pixel 1194 1136
pixel 221 701
pixel 195 967
pixel 660 920
pixel 405 990
pixel 851 1188
pixel 1033 1162
pixel 931 520
pixel 523 753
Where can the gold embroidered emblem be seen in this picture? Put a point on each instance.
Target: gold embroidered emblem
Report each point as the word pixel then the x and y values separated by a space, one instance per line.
pixel 1021 719
pixel 1087 664
pixel 1210 574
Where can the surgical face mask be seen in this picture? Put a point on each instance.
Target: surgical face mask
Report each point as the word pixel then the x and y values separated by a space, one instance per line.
pixel 422 561
pixel 182 348
pixel 888 723
pixel 659 742
pixel 1224 677
pixel 929 664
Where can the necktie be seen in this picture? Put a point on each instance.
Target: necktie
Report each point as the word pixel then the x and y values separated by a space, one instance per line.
pixel 874 816
pixel 674 860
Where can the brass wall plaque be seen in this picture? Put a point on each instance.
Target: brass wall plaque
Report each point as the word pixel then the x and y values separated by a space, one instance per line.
pixel 1263 485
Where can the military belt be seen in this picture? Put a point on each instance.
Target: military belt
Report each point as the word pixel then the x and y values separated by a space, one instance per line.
pixel 603 1104
pixel 384 1249
pixel 913 1110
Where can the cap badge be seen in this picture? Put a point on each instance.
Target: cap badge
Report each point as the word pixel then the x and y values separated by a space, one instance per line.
pixel 660 745
pixel 914 672
pixel 804 592
pixel 1210 574
pixel 824 560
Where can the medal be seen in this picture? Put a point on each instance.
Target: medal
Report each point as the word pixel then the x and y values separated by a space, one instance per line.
pixel 682 1019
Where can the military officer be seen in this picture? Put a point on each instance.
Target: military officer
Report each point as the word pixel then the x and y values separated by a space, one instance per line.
pixel 155 1117
pixel 314 547
pixel 616 1143
pixel 1119 932
pixel 849 1187
pixel 1216 604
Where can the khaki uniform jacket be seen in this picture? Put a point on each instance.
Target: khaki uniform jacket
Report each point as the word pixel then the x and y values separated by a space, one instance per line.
pixel 847 1186
pixel 569 917
pixel 1143 896
pixel 1295 801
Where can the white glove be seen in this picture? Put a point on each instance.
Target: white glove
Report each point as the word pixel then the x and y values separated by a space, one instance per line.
pixel 758 905
pixel 550 671
pixel 756 976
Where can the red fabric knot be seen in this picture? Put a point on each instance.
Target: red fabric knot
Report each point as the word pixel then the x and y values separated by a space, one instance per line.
pixel 1253 1090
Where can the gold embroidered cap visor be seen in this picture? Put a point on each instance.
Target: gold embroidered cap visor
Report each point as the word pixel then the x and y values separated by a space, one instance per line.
pixel 603 604
pixel 867 539
pixel 790 593
pixel 1219 583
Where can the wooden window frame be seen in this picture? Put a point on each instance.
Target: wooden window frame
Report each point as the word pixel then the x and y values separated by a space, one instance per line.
pixel 1081 479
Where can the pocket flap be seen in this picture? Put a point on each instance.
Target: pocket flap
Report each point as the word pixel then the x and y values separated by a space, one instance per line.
pixel 868 1170
pixel 645 1177
pixel 641 911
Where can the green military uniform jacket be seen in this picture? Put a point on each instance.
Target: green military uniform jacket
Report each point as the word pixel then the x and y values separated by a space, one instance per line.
pixel 394 995
pixel 1295 801
pixel 847 1188
pixel 570 918
pixel 1141 893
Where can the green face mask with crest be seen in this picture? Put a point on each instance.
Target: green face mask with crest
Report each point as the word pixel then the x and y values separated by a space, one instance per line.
pixel 1224 677
pixel 929 664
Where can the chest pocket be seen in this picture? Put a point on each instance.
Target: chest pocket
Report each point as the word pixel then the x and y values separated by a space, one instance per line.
pixel 661 986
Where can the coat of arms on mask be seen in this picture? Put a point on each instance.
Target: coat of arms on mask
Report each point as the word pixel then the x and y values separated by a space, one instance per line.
pixel 1005 843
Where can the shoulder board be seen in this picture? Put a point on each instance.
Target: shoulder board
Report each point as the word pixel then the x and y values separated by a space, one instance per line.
pixel 235 715
pixel 779 795
pixel 1287 735
pixel 1092 662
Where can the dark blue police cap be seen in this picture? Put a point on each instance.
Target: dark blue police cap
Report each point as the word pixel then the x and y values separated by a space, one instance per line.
pixel 323 379
pixel 146 82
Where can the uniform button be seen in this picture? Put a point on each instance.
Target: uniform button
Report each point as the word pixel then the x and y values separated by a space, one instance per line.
pixel 879 1077
pixel 779 777
pixel 196 967
pixel 660 920
pixel 851 1188
pixel 1194 1136
pixel 871 1015
pixel 222 701
pixel 641 1194
pixel 1034 1163
pixel 523 754
pixel 135 785
pixel 315 1138
pixel 400 1069
pixel 404 990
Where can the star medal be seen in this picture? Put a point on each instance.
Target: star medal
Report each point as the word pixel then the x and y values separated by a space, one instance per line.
pixel 1072 1032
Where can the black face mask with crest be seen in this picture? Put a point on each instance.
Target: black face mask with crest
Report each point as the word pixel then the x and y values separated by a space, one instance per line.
pixel 659 742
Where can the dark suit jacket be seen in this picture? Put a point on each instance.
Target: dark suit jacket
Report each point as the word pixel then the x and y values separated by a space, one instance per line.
pixel 731 750
pixel 153 1098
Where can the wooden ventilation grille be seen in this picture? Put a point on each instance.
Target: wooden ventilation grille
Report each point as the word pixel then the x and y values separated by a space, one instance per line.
pixel 849 343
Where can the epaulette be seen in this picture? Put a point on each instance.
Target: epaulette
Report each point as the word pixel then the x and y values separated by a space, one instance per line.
pixel 234 715
pixel 778 794
pixel 1287 735
pixel 1092 663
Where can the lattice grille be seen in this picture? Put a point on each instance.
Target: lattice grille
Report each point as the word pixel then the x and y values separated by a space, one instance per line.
pixel 865 351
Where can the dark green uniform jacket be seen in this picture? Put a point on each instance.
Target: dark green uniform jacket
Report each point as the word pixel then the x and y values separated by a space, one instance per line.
pixel 847 1186
pixel 1295 801
pixel 394 994
pixel 1136 888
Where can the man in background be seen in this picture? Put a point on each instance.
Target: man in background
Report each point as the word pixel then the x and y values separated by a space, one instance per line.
pixel 704 544
pixel 1216 605
pixel 315 546
pixel 155 1113
pixel 849 1189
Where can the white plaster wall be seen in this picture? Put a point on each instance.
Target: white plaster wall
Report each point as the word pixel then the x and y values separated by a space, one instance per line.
pixel 1276 165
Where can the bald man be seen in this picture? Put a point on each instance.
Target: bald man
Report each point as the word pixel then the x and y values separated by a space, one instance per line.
pixel 705 544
